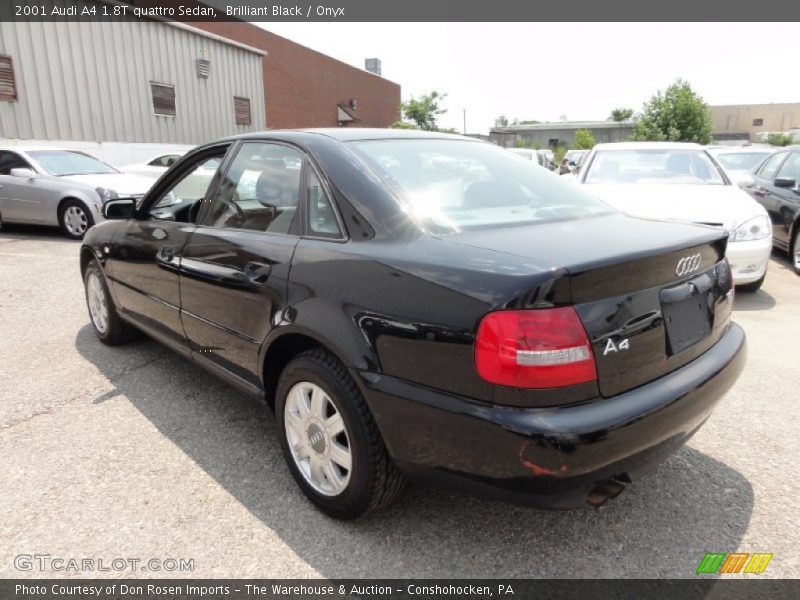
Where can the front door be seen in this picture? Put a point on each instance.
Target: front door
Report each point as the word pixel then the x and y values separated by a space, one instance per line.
pixel 20 197
pixel 235 267
pixel 144 260
pixel 787 199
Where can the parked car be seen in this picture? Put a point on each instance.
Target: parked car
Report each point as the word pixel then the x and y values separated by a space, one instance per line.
pixel 407 320
pixel 531 155
pixel 682 182
pixel 776 186
pixel 65 188
pixel 154 167
pixel 740 161
pixel 549 157
pixel 572 161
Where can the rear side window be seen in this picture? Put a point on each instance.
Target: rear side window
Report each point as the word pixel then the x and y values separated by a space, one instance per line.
pixel 322 220
pixel 11 160
pixel 791 168
pixel 453 185
pixel 770 167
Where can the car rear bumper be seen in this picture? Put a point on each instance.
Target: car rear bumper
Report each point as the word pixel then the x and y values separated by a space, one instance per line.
pixel 549 457
pixel 749 260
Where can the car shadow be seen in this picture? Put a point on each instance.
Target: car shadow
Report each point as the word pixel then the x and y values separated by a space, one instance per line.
pixel 660 527
pixel 747 301
pixel 28 232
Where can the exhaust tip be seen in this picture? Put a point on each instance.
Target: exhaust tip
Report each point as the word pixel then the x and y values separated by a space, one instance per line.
pixel 603 492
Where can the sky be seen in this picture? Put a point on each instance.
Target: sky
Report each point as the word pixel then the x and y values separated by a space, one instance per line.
pixel 552 71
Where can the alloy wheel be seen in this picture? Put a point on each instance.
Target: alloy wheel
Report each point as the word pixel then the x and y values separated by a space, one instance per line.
pixel 96 298
pixel 318 439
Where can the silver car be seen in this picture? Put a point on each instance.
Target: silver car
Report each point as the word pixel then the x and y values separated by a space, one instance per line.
pixel 66 188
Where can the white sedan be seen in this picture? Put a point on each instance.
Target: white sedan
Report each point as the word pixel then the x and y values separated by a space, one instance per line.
pixel 154 167
pixel 680 181
pixel 739 162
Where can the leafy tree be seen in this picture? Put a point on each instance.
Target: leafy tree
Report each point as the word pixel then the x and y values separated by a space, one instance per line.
pixel 780 139
pixel 529 122
pixel 501 121
pixel 583 140
pixel 559 150
pixel 676 115
pixel 621 114
pixel 421 113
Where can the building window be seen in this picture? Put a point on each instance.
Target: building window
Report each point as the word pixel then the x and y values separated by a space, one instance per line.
pixel 8 84
pixel 241 110
pixel 758 122
pixel 163 99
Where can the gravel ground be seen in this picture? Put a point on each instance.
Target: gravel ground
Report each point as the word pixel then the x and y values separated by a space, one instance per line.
pixel 134 452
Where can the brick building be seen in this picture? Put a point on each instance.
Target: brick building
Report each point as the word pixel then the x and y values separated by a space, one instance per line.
pixel 304 88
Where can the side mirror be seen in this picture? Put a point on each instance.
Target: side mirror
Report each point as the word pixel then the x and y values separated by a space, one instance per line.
pixel 781 182
pixel 24 172
pixel 119 208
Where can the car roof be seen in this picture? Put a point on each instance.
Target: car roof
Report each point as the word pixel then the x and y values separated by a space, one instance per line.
pixel 751 148
pixel 649 146
pixel 37 148
pixel 349 134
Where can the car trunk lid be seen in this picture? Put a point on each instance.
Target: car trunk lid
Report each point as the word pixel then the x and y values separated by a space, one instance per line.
pixel 651 295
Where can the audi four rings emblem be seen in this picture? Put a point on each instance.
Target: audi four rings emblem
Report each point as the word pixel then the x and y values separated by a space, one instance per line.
pixel 688 264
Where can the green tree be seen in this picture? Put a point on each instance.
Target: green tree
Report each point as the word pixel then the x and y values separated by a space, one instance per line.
pixel 621 114
pixel 421 113
pixel 583 140
pixel 676 115
pixel 559 150
pixel 780 139
pixel 501 121
pixel 529 122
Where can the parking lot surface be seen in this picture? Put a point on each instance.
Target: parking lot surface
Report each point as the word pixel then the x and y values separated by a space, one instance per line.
pixel 135 452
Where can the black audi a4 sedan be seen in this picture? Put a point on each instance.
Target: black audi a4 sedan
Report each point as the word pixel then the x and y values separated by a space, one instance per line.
pixel 424 307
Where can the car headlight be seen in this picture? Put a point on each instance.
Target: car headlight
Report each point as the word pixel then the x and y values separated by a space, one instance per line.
pixel 106 194
pixel 756 228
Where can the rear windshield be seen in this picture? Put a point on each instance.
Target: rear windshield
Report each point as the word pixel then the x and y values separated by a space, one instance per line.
pixel 741 161
pixel 653 166
pixel 453 185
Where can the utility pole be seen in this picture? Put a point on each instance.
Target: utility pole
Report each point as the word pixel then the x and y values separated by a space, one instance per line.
pixel 464 110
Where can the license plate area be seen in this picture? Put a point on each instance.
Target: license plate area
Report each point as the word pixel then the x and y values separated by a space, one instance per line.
pixel 688 311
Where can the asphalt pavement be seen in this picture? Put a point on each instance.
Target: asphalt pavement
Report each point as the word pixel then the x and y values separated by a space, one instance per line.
pixel 134 452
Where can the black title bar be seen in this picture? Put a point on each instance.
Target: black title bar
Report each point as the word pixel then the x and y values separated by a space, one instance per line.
pixel 405 10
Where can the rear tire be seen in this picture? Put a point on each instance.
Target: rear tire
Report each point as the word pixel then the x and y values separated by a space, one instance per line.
pixel 794 250
pixel 309 439
pixel 75 219
pixel 751 287
pixel 106 322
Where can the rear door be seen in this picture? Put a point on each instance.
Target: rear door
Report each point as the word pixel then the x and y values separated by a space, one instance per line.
pixel 768 195
pixel 786 199
pixel 144 260
pixel 235 267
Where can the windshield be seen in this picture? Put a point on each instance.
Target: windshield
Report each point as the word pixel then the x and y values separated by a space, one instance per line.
pixel 62 162
pixel 453 185
pixel 653 166
pixel 741 161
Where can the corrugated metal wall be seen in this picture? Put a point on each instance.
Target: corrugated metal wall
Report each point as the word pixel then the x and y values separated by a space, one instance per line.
pixel 91 81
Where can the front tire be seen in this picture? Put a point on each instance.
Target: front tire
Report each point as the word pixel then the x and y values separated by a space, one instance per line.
pixel 75 219
pixel 329 439
pixel 107 324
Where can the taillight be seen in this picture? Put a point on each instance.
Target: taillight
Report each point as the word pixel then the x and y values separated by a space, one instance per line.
pixel 544 348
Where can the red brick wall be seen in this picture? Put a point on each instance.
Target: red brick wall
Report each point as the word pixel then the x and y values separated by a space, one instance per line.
pixel 302 87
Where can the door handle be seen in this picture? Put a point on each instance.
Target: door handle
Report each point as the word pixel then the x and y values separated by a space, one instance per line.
pixel 166 256
pixel 257 273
